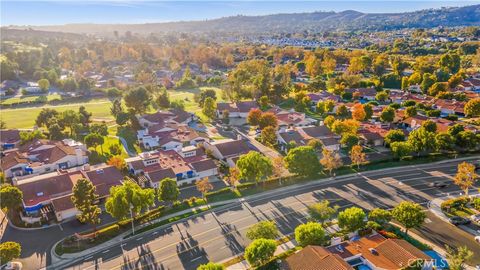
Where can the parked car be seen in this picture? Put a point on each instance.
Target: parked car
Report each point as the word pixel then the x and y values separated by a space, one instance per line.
pixel 477 239
pixel 439 184
pixel 475 218
pixel 459 221
pixel 12 266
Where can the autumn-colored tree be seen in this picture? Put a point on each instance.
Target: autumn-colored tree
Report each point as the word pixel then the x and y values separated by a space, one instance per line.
pixel 268 119
pixel 117 161
pixel 278 164
pixel 269 136
pixel 357 156
pixel 466 176
pixel 330 160
pixel 204 186
pixel 358 112
pixel 253 117
pixel 233 176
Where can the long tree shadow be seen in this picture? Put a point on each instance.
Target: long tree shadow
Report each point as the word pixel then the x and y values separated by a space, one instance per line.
pixel 286 217
pixel 230 233
pixel 189 252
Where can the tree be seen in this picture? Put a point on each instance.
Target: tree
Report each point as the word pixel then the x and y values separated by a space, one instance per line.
pixel 302 160
pixel 9 251
pixel 211 266
pixel 204 94
pixel 117 161
pixel 263 230
pixel 345 126
pixel 100 129
pixel 69 119
pixel 388 114
pixel 429 126
pixel 260 251
pixel 84 198
pixel 349 140
pixel 381 96
pixel 254 166
pixel 163 99
pixel 358 112
pixel 458 256
pixel 267 119
pixel 411 111
pixel 368 108
pixel 357 156
pixel 329 121
pixel 116 107
pixel 351 219
pixel 467 140
pixel 437 87
pixel 209 107
pixel 137 100
pixel 233 176
pixel 421 140
pixel 409 214
pixel 122 118
pixel 380 216
pixel 44 85
pixel 329 105
pixel 12 197
pixel 55 132
pixel 45 116
pixel 394 135
pixel 316 144
pixel 126 197
pixel 269 136
pixel 427 81
pixel 263 102
pixel 204 186
pixel 322 211
pixel 28 136
pixel 84 116
pixel 253 117
pixel 444 142
pixel 168 190
pixel 472 108
pixel 342 111
pixel 94 140
pixel 330 160
pixel 401 149
pixel 310 233
pixel 465 177
pixel 320 107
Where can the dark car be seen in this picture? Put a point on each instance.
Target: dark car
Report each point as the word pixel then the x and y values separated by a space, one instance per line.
pixel 439 184
pixel 459 221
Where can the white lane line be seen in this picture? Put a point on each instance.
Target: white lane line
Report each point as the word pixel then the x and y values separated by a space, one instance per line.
pixel 88 258
pixel 106 251
pixel 198 258
pixel 140 238
pixel 154 233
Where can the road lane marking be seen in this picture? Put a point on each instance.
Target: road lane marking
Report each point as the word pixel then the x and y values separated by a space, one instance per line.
pixel 106 251
pixel 198 258
pixel 140 238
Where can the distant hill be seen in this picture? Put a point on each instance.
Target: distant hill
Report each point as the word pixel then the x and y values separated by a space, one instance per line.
pixel 287 23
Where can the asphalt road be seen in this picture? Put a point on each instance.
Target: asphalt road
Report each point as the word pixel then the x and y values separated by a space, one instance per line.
pixel 220 234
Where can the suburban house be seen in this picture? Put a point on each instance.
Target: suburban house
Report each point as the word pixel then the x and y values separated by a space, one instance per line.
pixel 291 118
pixel 363 93
pixel 9 138
pixel 329 140
pixel 373 134
pixel 447 107
pixel 32 88
pixel 49 195
pixel 289 136
pixel 42 156
pixel 228 151
pixel 369 252
pixel 175 116
pixel 239 109
pixel 186 166
pixel 168 136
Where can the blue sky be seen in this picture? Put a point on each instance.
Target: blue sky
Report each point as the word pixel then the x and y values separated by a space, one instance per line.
pixel 125 11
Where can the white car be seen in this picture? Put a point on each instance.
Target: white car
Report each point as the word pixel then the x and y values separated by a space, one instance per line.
pixel 477 239
pixel 475 218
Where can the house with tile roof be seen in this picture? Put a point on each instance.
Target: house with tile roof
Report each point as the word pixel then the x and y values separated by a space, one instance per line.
pixel 228 151
pixel 239 109
pixel 47 194
pixel 9 138
pixel 369 252
pixel 291 118
pixel 185 166
pixel 43 156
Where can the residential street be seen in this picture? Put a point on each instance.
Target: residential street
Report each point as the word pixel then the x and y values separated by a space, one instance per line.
pixel 219 235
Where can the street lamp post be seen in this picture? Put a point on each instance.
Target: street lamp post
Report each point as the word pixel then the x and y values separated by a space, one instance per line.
pixel 131 216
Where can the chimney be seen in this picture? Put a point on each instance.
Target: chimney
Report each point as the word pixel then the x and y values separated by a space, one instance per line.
pixel 79 155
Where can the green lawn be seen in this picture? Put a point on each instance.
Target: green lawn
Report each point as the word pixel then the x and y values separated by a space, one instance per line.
pixel 100 108
pixel 102 152
pixel 25 117
pixel 15 100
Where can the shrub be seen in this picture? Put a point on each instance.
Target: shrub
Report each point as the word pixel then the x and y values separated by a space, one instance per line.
pixel 218 192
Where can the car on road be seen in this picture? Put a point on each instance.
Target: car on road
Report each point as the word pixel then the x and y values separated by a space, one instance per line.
pixel 12 266
pixel 439 184
pixel 477 239
pixel 456 220
pixel 475 218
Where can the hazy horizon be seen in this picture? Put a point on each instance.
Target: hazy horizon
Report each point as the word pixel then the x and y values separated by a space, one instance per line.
pixel 138 12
